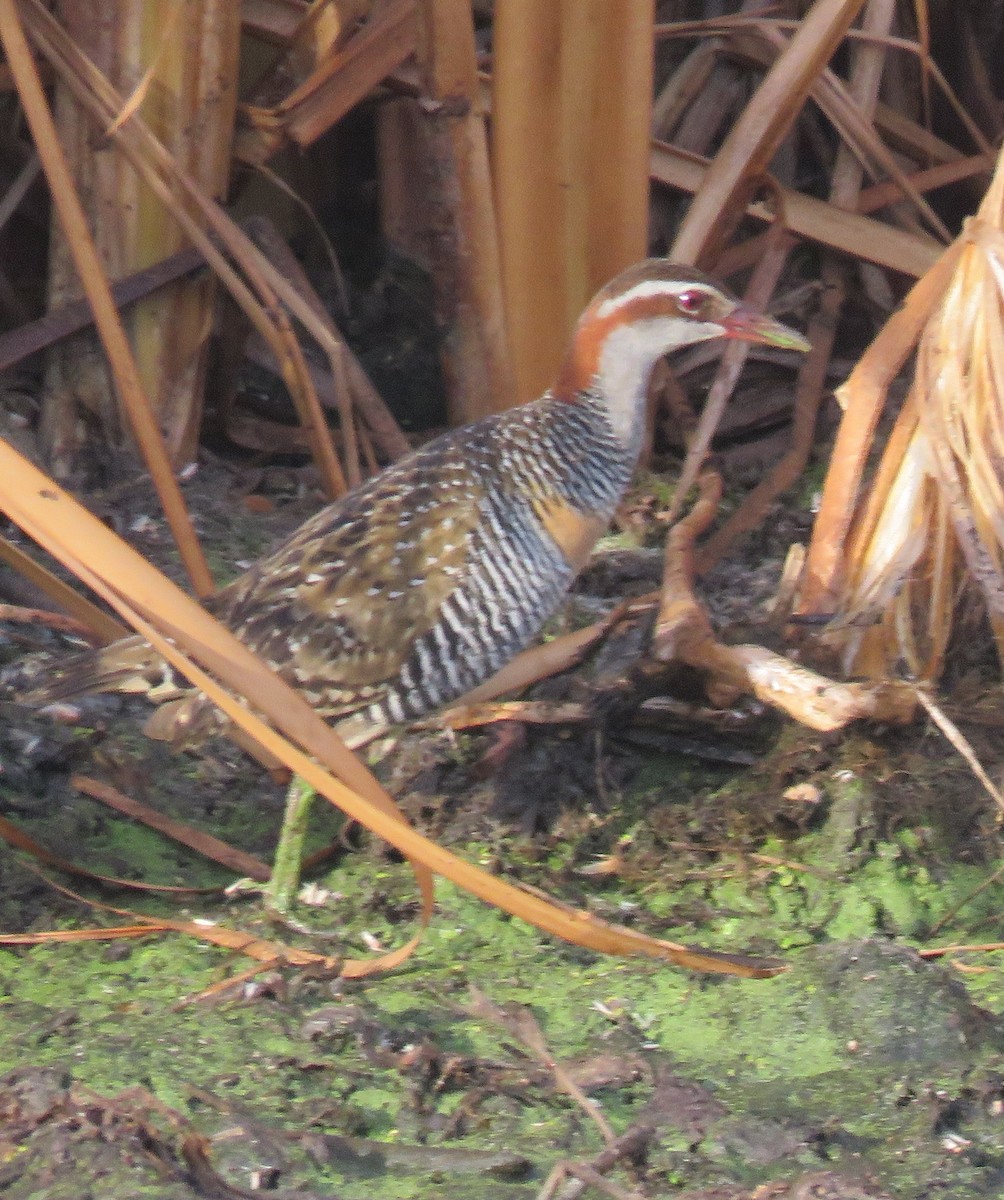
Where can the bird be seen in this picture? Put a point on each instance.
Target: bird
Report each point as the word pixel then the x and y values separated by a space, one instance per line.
pixel 422 582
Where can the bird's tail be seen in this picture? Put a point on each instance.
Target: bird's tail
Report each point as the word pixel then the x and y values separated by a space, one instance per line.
pixel 129 665
pixel 183 716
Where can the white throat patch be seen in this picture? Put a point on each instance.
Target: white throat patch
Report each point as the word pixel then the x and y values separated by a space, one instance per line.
pixel 626 360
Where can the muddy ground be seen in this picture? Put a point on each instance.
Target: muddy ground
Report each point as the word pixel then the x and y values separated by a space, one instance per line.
pixel 865 1069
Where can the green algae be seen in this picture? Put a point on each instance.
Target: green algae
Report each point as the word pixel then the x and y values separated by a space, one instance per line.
pixel 858 1038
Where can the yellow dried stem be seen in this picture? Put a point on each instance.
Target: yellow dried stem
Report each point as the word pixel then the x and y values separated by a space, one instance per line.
pixel 95 284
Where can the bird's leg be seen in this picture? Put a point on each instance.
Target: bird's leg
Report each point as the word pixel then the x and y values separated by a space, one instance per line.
pixel 280 891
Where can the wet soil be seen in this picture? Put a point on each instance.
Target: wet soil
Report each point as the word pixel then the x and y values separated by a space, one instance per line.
pixel 866 1069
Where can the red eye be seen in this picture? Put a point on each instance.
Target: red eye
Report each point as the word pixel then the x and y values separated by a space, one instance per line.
pixel 691 302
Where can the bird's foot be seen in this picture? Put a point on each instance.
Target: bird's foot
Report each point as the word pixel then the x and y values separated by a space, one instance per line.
pixel 277 905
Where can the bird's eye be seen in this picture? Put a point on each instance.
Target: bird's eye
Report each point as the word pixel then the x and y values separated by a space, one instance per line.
pixel 691 302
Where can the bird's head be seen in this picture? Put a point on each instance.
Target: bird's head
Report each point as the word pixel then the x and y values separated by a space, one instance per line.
pixel 647 311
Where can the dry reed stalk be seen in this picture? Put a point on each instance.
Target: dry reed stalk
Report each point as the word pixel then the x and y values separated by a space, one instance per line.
pixel 465 262
pixel 880 195
pixel 685 84
pixel 257 285
pixel 345 71
pixel 571 109
pixel 178 58
pixel 527 167
pixel 95 284
pixel 608 134
pixel 316 31
pixel 700 98
pixel 755 137
pixel 861 236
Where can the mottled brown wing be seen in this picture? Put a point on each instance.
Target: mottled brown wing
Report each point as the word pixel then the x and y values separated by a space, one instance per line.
pixel 336 608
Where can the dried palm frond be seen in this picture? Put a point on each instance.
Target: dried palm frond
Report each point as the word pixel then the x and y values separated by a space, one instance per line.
pixel 930 534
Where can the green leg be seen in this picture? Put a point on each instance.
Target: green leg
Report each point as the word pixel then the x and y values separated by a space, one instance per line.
pixel 280 891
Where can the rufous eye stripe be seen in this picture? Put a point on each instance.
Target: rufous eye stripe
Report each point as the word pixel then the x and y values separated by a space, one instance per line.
pixel 645 301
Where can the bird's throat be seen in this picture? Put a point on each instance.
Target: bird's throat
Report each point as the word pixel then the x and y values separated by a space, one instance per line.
pixel 624 367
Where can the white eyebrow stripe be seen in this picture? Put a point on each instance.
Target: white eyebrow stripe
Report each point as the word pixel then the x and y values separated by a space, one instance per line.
pixel 650 287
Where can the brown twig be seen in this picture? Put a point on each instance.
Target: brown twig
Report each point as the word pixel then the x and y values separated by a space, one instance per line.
pixel 207 845
pixel 520 1023
pixel 18 614
pixel 683 633
pixel 964 947
pixel 18 344
pixel 632 1144
pixel 102 627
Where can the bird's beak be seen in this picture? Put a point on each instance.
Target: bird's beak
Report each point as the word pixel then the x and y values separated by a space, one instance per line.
pixel 750 326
